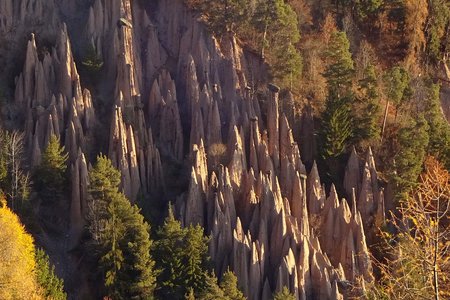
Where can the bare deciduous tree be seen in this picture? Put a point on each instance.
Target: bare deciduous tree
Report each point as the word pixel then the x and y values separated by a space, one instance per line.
pixel 16 181
pixel 418 260
pixel 19 178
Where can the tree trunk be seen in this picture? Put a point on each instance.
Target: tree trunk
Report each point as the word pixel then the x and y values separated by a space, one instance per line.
pixel 264 41
pixel 436 251
pixel 384 120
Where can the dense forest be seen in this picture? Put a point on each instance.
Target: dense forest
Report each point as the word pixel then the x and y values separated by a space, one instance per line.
pixel 224 149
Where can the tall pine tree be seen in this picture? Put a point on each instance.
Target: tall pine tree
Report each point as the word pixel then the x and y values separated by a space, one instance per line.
pixel 337 124
pixel 122 237
pixel 127 262
pixel 337 130
pixel 340 70
pixel 181 256
pixel 367 112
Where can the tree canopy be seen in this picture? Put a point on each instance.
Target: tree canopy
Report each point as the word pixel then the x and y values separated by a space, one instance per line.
pixel 17 267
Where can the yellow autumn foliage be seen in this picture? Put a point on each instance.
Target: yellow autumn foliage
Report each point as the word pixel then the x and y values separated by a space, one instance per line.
pixel 17 261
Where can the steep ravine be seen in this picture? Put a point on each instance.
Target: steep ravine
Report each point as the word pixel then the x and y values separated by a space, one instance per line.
pixel 168 93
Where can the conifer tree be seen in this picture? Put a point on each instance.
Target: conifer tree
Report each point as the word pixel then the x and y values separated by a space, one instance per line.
pixel 229 285
pixel 340 70
pixel 367 112
pixel 50 176
pixel 127 262
pixel 222 16
pixel 413 141
pixel 121 236
pixel 337 122
pixel 104 181
pixel 397 86
pixel 436 30
pixel 227 290
pixel 169 259
pixel 196 260
pixel 439 129
pixel 284 294
pixel 212 291
pixel 276 22
pixel 337 129
pixel 181 256
pixel 52 287
pixel 366 8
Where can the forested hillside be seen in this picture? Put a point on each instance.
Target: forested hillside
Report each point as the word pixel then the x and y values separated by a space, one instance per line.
pixel 224 149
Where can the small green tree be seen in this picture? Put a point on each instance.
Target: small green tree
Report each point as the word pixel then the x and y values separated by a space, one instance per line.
pixel 50 176
pixel 229 285
pixel 413 141
pixel 367 113
pixel 52 287
pixel 104 181
pixel 227 290
pixel 396 86
pixel 284 294
pixel 439 129
pixel 337 128
pixel 365 9
pixel 92 61
pixel 168 252
pixel 181 256
pixel 212 291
